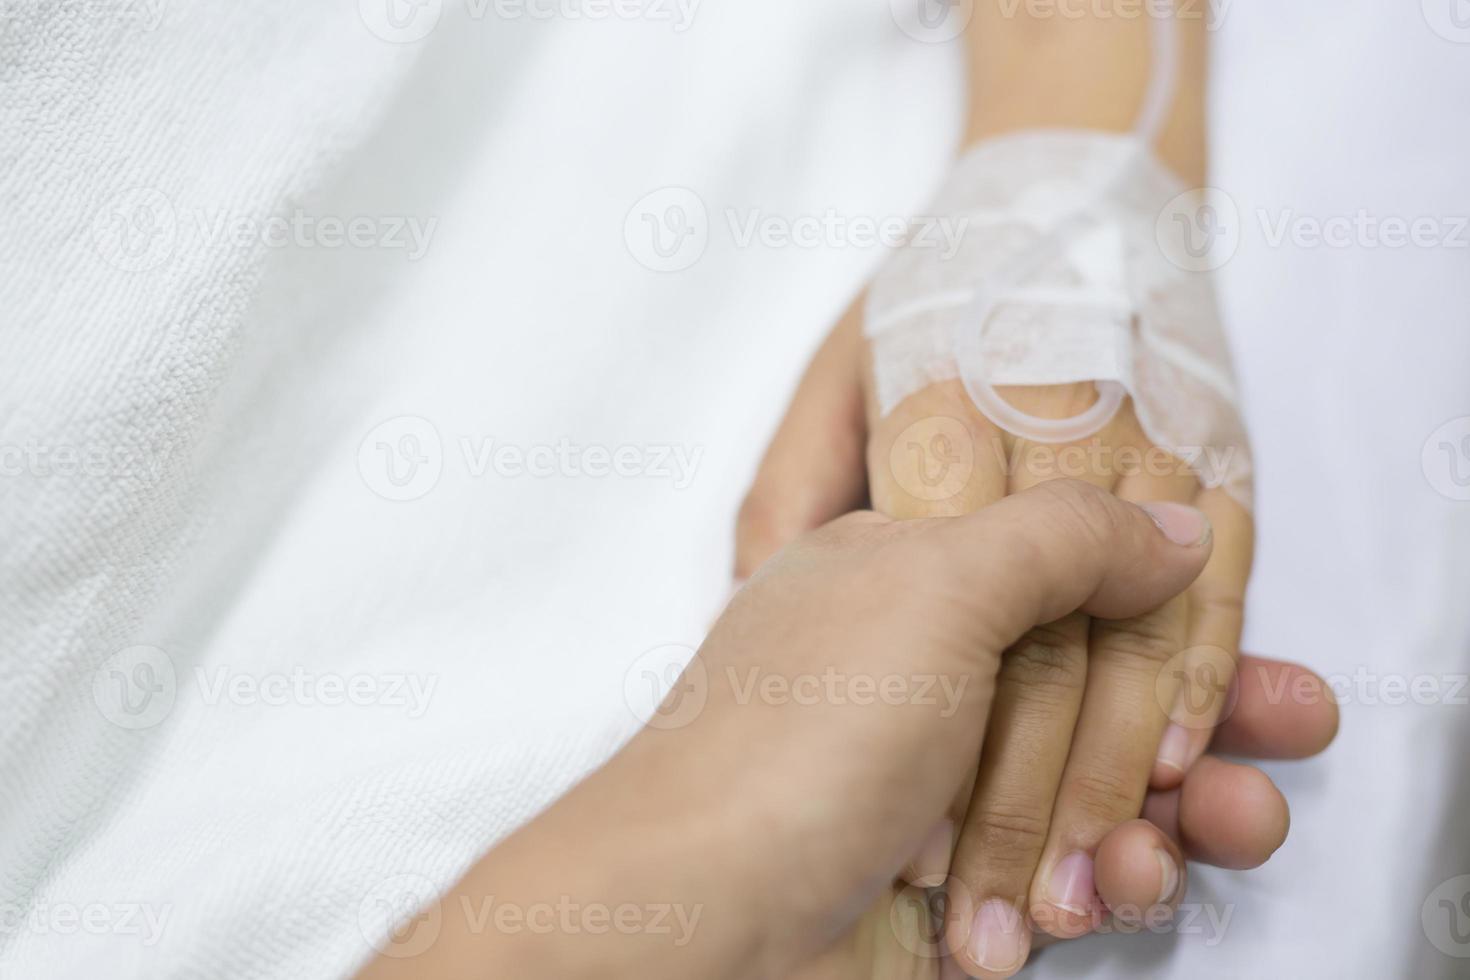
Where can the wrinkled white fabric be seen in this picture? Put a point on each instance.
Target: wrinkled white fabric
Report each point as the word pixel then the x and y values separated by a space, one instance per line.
pixel 1064 273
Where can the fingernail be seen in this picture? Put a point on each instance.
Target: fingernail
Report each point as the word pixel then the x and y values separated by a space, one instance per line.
pixel 1170 877
pixel 1070 886
pixel 1174 747
pixel 1181 524
pixel 998 942
pixel 930 866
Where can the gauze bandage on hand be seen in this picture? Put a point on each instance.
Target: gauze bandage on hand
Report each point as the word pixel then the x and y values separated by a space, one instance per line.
pixel 1060 278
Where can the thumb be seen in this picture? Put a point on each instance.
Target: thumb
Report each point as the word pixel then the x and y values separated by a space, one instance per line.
pixel 1066 546
pixel 813 471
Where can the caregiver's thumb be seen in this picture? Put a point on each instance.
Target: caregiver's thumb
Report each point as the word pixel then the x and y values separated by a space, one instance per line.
pixel 1062 546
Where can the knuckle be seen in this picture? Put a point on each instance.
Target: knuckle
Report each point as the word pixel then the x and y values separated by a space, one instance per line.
pixel 893 489
pixel 1105 797
pixel 1006 836
pixel 1048 661
pixel 1143 643
pixel 1221 603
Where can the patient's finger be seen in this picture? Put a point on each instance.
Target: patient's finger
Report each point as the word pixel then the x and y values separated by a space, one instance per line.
pixel 1115 741
pixel 1107 772
pixel 813 470
pixel 1140 873
pixel 1031 463
pixel 1281 711
pixel 1206 667
pixel 1226 814
pixel 935 455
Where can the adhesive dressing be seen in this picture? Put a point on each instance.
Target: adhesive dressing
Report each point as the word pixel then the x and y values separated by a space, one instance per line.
pixel 1060 278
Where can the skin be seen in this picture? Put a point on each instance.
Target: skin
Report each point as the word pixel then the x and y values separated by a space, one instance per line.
pixel 778 821
pixel 1219 813
pixel 1089 716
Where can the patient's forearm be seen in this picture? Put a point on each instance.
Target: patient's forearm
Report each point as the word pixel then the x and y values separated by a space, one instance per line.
pixel 1033 66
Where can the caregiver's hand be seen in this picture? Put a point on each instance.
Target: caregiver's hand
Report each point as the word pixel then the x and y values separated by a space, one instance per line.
pixel 778 820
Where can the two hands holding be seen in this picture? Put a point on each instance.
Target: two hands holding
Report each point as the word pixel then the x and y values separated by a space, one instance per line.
pixel 1092 785
pixel 1048 796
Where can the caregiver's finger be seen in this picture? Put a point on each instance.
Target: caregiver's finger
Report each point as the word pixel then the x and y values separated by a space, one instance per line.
pixel 1226 814
pixel 1140 873
pixel 813 470
pixel 1060 547
pixel 1206 667
pixel 1038 694
pixel 1282 711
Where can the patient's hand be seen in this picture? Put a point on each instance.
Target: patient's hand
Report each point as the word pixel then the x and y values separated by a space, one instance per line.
pixel 1082 723
pixel 1088 714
